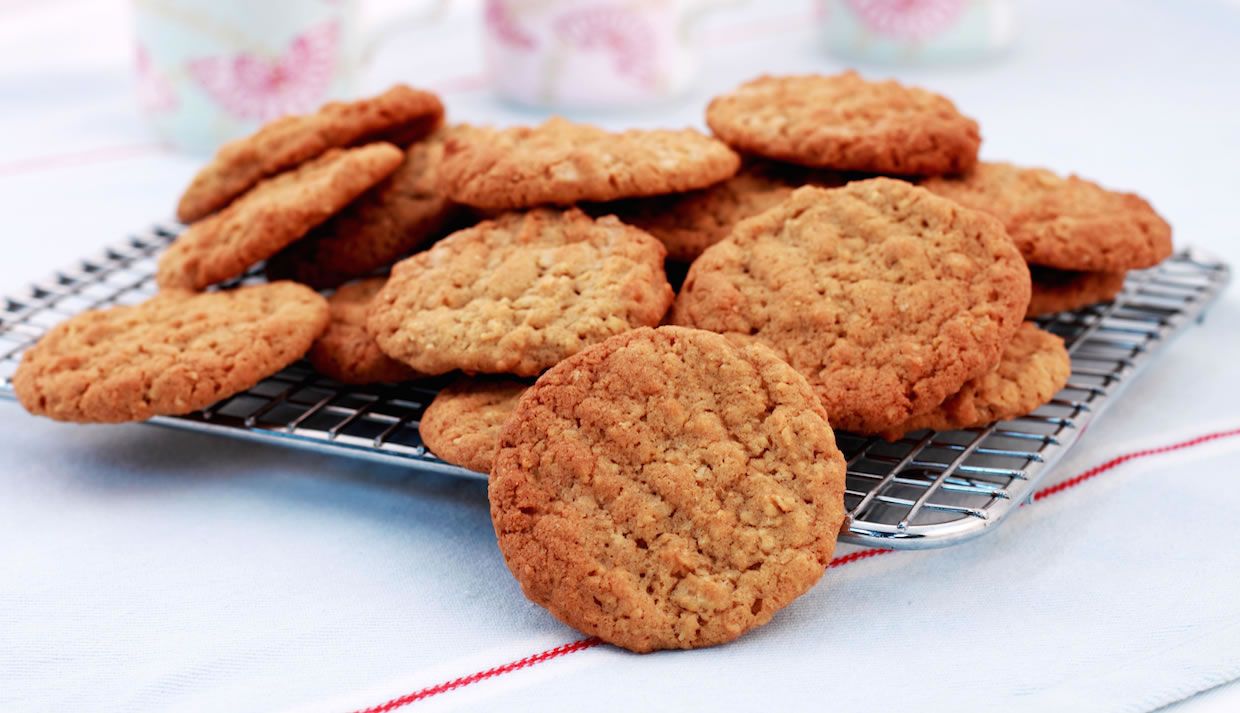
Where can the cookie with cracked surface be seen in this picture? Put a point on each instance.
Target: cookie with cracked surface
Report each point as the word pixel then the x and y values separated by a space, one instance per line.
pixel 463 423
pixel 399 115
pixel 272 215
pixel 346 352
pixel 1034 367
pixel 886 297
pixel 1063 291
pixel 173 354
pixel 403 212
pixel 559 162
pixel 1066 223
pixel 517 294
pixel 667 489
pixel 848 123
pixel 690 222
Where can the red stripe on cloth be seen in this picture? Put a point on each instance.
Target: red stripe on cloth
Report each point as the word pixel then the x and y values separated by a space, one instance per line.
pixel 842 560
pixel 578 645
pixel 856 556
pixel 1135 455
pixel 78 158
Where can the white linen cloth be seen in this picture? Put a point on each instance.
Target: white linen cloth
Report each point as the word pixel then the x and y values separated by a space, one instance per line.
pixel 146 569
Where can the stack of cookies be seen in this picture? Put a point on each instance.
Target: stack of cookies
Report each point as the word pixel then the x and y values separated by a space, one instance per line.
pixel 847 263
pixel 1079 238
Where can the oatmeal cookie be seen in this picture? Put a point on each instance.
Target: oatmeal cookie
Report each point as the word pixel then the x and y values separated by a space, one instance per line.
pixel 519 293
pixel 1033 368
pixel 885 296
pixel 403 212
pixel 690 222
pixel 272 215
pixel 1063 291
pixel 173 354
pixel 667 489
pixel 346 352
pixel 847 123
pixel 562 163
pixel 463 423
pixel 399 115
pixel 1066 223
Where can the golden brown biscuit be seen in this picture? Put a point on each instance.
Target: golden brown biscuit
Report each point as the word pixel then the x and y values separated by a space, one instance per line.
pixel 346 352
pixel 688 223
pixel 399 115
pixel 847 123
pixel 175 353
pixel 1034 367
pixel 519 293
pixel 463 423
pixel 1063 291
pixel 403 212
pixel 1066 223
pixel 667 489
pixel 271 215
pixel 885 296
pixel 561 163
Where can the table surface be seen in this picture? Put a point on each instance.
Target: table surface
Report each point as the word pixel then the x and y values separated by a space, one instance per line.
pixel 1139 95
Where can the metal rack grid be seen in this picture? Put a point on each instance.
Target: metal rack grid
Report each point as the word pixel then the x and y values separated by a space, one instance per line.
pixel 928 489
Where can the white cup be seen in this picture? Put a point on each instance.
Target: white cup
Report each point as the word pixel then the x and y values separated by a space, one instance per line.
pixel 212 70
pixel 592 54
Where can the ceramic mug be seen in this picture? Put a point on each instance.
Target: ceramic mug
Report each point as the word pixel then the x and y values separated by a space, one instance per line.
pixel 917 31
pixel 212 70
pixel 591 54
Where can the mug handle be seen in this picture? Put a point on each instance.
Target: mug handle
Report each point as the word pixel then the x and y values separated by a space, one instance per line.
pixel 389 27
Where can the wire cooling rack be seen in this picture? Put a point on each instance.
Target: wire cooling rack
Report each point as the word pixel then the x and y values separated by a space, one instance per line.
pixel 928 489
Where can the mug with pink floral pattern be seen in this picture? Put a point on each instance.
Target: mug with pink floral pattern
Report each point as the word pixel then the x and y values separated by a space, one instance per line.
pixel 212 70
pixel 591 54
pixel 916 31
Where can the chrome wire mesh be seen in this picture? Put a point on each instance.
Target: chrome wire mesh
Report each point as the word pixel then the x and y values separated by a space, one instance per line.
pixel 928 489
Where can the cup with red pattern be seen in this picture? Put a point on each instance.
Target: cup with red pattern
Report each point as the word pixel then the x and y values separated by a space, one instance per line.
pixel 917 31
pixel 212 70
pixel 592 54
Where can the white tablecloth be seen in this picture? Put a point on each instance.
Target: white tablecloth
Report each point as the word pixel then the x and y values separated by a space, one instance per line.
pixel 149 569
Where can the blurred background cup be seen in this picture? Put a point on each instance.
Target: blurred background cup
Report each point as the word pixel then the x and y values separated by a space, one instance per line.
pixel 593 54
pixel 917 31
pixel 212 70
